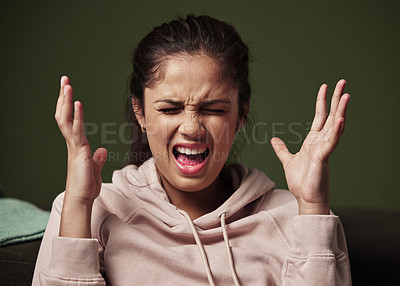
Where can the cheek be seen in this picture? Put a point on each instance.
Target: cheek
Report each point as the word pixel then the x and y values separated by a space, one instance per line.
pixel 222 131
pixel 159 130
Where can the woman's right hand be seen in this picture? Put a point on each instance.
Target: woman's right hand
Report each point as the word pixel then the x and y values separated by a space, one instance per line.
pixel 84 170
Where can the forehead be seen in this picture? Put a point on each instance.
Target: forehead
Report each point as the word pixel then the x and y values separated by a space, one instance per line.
pixel 192 79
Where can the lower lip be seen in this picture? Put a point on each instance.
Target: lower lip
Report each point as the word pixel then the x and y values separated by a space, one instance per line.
pixel 189 170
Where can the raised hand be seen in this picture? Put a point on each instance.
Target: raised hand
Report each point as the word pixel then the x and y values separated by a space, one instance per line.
pixel 84 170
pixel 307 171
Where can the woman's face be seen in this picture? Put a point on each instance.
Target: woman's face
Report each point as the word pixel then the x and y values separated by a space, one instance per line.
pixel 190 117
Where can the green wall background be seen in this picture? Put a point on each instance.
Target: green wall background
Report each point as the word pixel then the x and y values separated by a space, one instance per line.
pixel 295 47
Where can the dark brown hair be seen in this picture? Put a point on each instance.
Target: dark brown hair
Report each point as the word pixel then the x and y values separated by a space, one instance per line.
pixel 190 36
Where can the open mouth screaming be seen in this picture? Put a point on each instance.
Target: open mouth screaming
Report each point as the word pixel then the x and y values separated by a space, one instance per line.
pixel 190 157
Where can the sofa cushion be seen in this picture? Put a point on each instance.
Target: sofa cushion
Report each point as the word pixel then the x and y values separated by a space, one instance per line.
pixel 17 263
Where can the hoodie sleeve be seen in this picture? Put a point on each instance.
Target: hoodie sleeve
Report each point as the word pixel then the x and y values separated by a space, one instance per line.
pixel 67 261
pixel 319 254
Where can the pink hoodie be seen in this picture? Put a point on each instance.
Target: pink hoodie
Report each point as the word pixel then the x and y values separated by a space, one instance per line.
pixel 140 238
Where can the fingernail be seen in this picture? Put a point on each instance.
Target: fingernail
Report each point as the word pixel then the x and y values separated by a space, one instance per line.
pixel 62 81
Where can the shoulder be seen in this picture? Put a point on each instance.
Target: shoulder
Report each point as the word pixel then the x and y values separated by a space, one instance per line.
pixel 122 194
pixel 277 200
pixel 112 201
pixel 280 206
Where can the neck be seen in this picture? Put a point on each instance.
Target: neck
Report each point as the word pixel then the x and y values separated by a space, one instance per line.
pixel 200 202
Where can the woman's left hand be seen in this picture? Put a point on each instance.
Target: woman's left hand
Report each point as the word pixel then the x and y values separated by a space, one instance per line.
pixel 307 171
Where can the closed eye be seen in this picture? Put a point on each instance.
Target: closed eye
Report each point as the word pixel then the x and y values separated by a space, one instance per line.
pixel 176 110
pixel 170 110
pixel 215 111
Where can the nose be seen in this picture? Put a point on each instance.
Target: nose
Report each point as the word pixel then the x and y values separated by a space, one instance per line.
pixel 192 127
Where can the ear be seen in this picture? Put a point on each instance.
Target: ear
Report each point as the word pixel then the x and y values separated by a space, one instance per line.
pixel 137 109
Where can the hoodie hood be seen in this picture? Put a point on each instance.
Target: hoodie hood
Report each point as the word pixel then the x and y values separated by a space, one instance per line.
pixel 144 184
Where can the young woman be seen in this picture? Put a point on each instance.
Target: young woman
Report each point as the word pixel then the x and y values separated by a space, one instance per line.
pixel 178 215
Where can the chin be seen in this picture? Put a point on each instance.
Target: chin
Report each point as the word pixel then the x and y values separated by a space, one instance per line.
pixel 193 184
pixel 188 182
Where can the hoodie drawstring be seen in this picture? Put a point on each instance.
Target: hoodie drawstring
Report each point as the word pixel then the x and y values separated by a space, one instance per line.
pixel 228 250
pixel 203 253
pixel 200 247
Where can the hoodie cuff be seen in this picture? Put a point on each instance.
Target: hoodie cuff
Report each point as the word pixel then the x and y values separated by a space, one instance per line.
pixel 74 258
pixel 315 235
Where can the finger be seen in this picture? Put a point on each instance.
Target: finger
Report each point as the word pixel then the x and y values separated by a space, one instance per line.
pixel 77 125
pixel 67 106
pixel 99 158
pixel 335 102
pixel 64 81
pixel 337 95
pixel 281 150
pixel 334 137
pixel 65 118
pixel 342 108
pixel 320 109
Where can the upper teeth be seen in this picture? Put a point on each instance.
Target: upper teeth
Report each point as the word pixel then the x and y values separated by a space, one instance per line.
pixel 188 151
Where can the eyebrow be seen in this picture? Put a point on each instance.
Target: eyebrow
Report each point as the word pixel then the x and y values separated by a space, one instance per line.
pixel 205 103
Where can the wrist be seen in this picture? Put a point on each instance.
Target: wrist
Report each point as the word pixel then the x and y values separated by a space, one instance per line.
pixel 306 208
pixel 76 219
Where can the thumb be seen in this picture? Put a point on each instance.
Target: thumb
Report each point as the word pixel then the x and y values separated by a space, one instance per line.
pixel 281 150
pixel 99 158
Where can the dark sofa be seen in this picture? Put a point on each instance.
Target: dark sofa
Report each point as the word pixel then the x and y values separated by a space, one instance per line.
pixel 373 239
